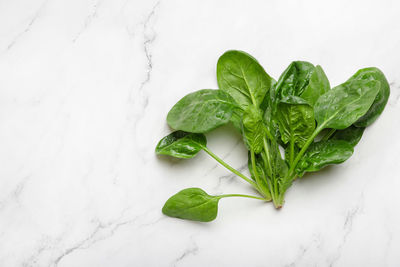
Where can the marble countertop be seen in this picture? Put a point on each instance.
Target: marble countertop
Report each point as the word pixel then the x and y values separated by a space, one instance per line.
pixel 85 87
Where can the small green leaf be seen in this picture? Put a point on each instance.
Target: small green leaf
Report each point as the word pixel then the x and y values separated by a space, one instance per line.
pixel 180 144
pixel 201 111
pixel 345 104
pixel 240 75
pixel 296 122
pixel 294 79
pixel 318 85
pixel 253 129
pixel 192 204
pixel 323 153
pixel 381 98
pixel 352 135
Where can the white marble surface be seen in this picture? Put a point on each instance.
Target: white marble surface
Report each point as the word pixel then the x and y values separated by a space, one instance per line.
pixel 85 87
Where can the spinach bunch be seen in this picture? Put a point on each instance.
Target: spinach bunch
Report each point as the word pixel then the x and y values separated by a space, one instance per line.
pixel 314 124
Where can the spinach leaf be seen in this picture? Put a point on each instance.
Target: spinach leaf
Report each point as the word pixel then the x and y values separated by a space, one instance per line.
pixel 279 166
pixel 192 204
pixel 181 144
pixel 294 79
pixel 236 119
pixel 241 76
pixel 318 85
pixel 291 113
pixel 268 100
pixel 201 111
pixel 296 121
pixel 352 135
pixel 381 98
pixel 323 153
pixel 253 129
pixel 345 104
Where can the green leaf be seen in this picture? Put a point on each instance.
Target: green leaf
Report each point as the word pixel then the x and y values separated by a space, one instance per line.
pixel 240 75
pixel 345 104
pixel 268 99
pixel 294 79
pixel 279 166
pixel 296 122
pixel 253 129
pixel 318 85
pixel 192 204
pixel 352 135
pixel 180 144
pixel 201 111
pixel 236 119
pixel 323 153
pixel 381 98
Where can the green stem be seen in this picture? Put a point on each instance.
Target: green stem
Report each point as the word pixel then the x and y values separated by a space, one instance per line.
pixel 253 164
pixel 266 148
pixel 267 162
pixel 223 163
pixel 270 136
pixel 260 188
pixel 241 195
pixel 291 152
pixel 328 134
pixel 304 148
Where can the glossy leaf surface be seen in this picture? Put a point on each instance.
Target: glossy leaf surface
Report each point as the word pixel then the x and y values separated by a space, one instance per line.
pixel 352 135
pixel 192 204
pixel 241 76
pixel 381 98
pixel 201 111
pixel 323 153
pixel 345 104
pixel 236 119
pixel 296 122
pixel 294 79
pixel 253 129
pixel 180 144
pixel 317 86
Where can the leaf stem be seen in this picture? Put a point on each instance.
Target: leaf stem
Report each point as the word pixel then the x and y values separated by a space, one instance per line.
pixel 241 195
pixel 267 162
pixel 291 152
pixel 328 134
pixel 304 148
pixel 223 163
pixel 266 148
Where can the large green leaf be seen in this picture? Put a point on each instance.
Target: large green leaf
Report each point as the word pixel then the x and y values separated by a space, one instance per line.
pixel 317 86
pixel 352 135
pixel 323 153
pixel 345 104
pixel 253 129
pixel 181 144
pixel 192 204
pixel 201 111
pixel 296 121
pixel 381 98
pixel 240 75
pixel 294 79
